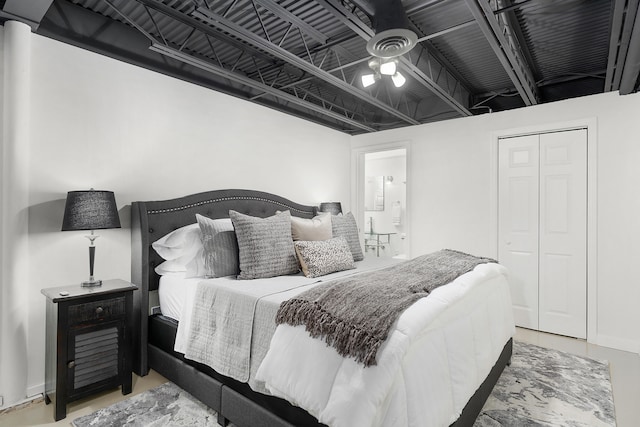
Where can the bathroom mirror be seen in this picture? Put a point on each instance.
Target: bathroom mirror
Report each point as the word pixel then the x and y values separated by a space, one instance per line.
pixel 374 193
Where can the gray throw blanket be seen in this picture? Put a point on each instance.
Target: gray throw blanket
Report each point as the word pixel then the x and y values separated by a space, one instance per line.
pixel 354 314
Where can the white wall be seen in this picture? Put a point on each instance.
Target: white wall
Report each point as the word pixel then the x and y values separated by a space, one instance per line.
pixel 452 180
pixel 100 123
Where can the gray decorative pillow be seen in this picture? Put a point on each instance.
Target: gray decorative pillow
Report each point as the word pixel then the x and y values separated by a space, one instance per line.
pixel 345 226
pixel 321 257
pixel 265 244
pixel 220 247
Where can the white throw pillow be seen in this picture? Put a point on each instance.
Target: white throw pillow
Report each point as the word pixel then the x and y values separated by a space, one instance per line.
pixel 316 228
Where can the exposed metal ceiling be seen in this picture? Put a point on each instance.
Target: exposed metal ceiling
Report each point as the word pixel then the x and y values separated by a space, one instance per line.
pixel 305 57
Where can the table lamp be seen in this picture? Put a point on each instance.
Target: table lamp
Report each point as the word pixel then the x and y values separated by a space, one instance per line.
pixel 334 207
pixel 90 210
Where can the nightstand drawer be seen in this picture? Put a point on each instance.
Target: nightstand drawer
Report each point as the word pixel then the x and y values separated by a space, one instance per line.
pixel 97 310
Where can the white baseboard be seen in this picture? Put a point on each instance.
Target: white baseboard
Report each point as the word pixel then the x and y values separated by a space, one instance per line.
pixel 35 390
pixel 33 393
pixel 20 404
pixel 618 343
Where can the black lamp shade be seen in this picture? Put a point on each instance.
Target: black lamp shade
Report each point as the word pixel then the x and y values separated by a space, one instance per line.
pixel 90 210
pixel 334 207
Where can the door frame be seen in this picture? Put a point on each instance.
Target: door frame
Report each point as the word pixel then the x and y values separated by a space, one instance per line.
pixel 358 178
pixel 591 125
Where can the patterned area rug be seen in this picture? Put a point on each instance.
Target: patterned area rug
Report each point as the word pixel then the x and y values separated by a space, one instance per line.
pixel 162 406
pixel 545 387
pixel 542 387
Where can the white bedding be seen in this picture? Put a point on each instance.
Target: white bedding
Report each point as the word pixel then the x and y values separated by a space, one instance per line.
pixel 438 353
pixel 172 293
pixel 231 358
pixel 174 287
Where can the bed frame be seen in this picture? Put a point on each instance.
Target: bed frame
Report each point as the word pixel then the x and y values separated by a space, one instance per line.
pixel 233 401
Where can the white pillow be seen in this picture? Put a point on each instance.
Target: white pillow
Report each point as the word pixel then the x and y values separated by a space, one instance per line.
pixel 181 243
pixel 194 268
pixel 316 228
pixel 183 251
pixel 169 267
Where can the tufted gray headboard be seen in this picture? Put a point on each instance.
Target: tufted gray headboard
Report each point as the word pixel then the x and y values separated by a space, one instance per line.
pixel 152 220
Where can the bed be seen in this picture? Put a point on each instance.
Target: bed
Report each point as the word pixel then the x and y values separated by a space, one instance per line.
pixel 236 401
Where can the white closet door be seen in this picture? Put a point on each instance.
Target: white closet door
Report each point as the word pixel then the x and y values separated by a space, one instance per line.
pixel 518 223
pixel 563 233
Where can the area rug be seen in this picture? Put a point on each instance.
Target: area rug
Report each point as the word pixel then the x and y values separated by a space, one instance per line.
pixel 542 387
pixel 545 387
pixel 162 406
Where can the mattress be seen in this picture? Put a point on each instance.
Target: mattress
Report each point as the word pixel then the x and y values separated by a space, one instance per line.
pixel 172 293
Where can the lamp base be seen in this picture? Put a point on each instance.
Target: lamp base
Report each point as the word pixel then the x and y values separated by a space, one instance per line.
pixel 91 283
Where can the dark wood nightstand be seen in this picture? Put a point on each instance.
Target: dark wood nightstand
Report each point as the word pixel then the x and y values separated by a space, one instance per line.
pixel 88 346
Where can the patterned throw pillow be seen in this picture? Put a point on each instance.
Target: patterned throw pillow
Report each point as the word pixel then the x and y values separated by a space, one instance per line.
pixel 321 257
pixel 345 226
pixel 220 247
pixel 265 244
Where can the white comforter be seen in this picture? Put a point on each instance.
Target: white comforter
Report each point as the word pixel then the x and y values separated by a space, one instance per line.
pixel 237 317
pixel 437 355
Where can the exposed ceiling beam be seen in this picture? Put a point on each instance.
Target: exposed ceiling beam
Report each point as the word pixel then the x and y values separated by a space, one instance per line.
pixel 284 14
pixel 447 31
pixel 506 47
pixel 115 39
pixel 510 7
pixel 622 24
pixel 30 12
pixel 509 15
pixel 363 30
pixel 224 24
pixel 420 5
pixel 307 79
pixel 204 28
pixel 239 78
pixel 631 70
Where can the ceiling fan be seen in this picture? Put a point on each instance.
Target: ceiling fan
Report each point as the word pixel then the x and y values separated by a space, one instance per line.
pixel 392 40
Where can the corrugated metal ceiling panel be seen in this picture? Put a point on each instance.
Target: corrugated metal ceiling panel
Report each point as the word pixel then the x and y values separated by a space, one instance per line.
pixel 469 52
pixel 566 39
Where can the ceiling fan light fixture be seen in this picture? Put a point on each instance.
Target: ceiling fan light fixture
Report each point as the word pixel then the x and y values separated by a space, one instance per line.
pixel 369 79
pixel 374 63
pixel 392 43
pixel 398 79
pixel 388 68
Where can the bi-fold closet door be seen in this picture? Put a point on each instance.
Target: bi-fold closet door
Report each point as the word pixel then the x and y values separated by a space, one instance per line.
pixel 542 229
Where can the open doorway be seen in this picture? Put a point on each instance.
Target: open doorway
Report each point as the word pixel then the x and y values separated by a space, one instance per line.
pixel 384 209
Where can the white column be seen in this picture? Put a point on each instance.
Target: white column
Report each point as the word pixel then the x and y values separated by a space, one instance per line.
pixel 14 204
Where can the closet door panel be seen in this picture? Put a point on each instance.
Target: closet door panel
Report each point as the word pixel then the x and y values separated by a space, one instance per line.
pixel 563 233
pixel 518 177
